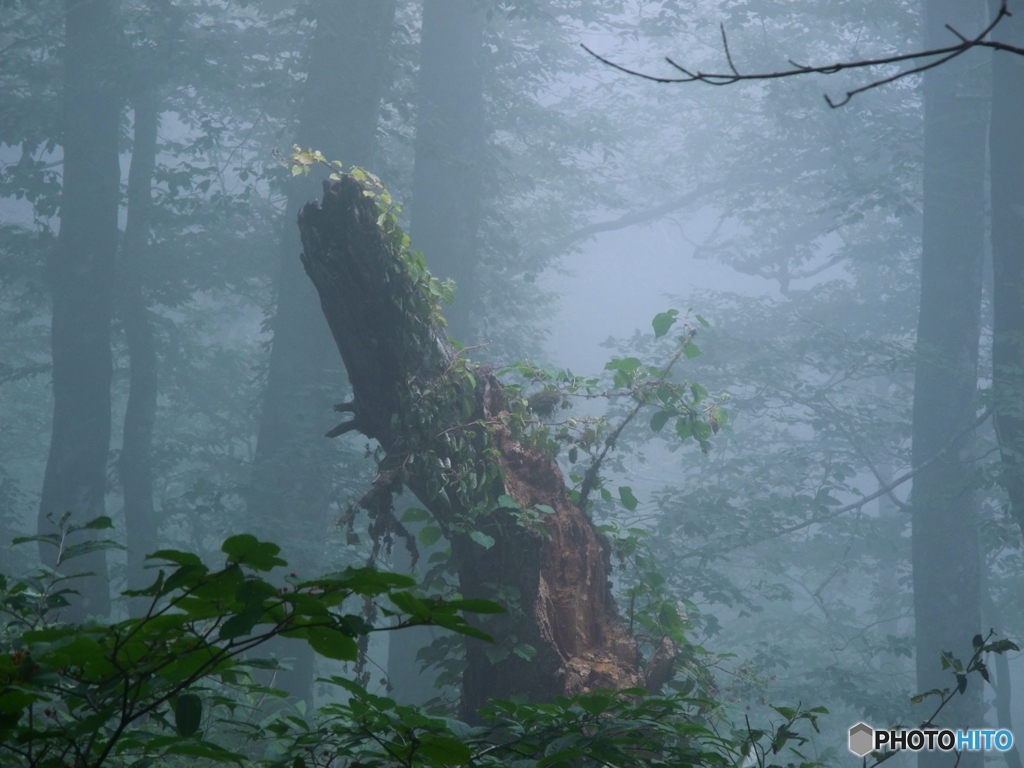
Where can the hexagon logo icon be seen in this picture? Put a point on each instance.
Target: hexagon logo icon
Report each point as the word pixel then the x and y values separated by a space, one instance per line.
pixel 862 737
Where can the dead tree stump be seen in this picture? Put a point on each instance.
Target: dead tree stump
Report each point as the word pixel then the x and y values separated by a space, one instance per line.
pixel 444 426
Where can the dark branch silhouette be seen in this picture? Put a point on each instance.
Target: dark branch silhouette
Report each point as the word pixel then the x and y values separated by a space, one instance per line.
pixel 630 219
pixel 939 56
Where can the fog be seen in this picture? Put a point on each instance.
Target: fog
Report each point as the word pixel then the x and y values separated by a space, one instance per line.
pixel 461 382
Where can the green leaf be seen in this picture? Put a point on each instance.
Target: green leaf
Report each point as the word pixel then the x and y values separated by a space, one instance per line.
pixel 430 535
pixel 702 321
pixel 663 321
pixel 415 515
pixel 595 704
pixel 1002 646
pixel 246 549
pixel 14 702
pixel 482 539
pixel 507 502
pixel 658 420
pixel 188 713
pixel 476 606
pixel 627 498
pixel 628 365
pixel 444 749
pixel 332 643
pixel 187 575
pixel 242 623
pixel 496 654
pixel 85 547
pixel 691 350
pixel 525 651
pixel 96 524
pixel 49 538
pixel 174 556
pixel 684 428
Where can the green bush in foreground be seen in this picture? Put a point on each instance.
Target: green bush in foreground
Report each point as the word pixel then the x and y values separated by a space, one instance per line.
pixel 177 684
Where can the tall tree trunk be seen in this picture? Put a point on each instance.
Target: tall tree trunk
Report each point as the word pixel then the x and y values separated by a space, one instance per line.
pixel 1006 151
pixel 446 190
pixel 135 465
pixel 429 410
pixel 945 548
pixel 450 141
pixel 82 279
pixel 290 489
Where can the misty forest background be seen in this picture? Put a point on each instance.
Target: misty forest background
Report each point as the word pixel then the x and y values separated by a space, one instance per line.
pixel 164 359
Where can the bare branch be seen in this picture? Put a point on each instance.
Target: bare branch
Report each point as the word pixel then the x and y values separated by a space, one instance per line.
pixel 631 219
pixel 728 54
pixel 718 549
pixel 734 76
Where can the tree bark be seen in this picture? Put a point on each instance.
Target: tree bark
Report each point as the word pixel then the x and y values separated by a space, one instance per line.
pixel 135 464
pixel 945 546
pixel 1007 179
pixel 291 487
pixel 446 190
pixel 427 412
pixel 82 279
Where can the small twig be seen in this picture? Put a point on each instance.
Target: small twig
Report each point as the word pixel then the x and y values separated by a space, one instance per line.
pixel 728 54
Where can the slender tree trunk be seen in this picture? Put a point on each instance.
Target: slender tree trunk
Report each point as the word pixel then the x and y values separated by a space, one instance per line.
pixel 1006 175
pixel 1006 151
pixel 945 548
pixel 135 465
pixel 450 142
pixel 446 191
pixel 82 279
pixel 291 481
pixel 411 394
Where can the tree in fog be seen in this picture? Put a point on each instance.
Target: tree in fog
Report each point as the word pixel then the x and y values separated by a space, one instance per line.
pixel 291 474
pixel 81 278
pixel 1007 193
pixel 946 558
pixel 445 207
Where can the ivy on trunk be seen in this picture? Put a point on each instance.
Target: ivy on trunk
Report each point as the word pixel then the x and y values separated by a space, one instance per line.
pixel 450 435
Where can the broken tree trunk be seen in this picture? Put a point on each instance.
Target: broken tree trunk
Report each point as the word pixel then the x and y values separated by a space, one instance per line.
pixel 450 435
